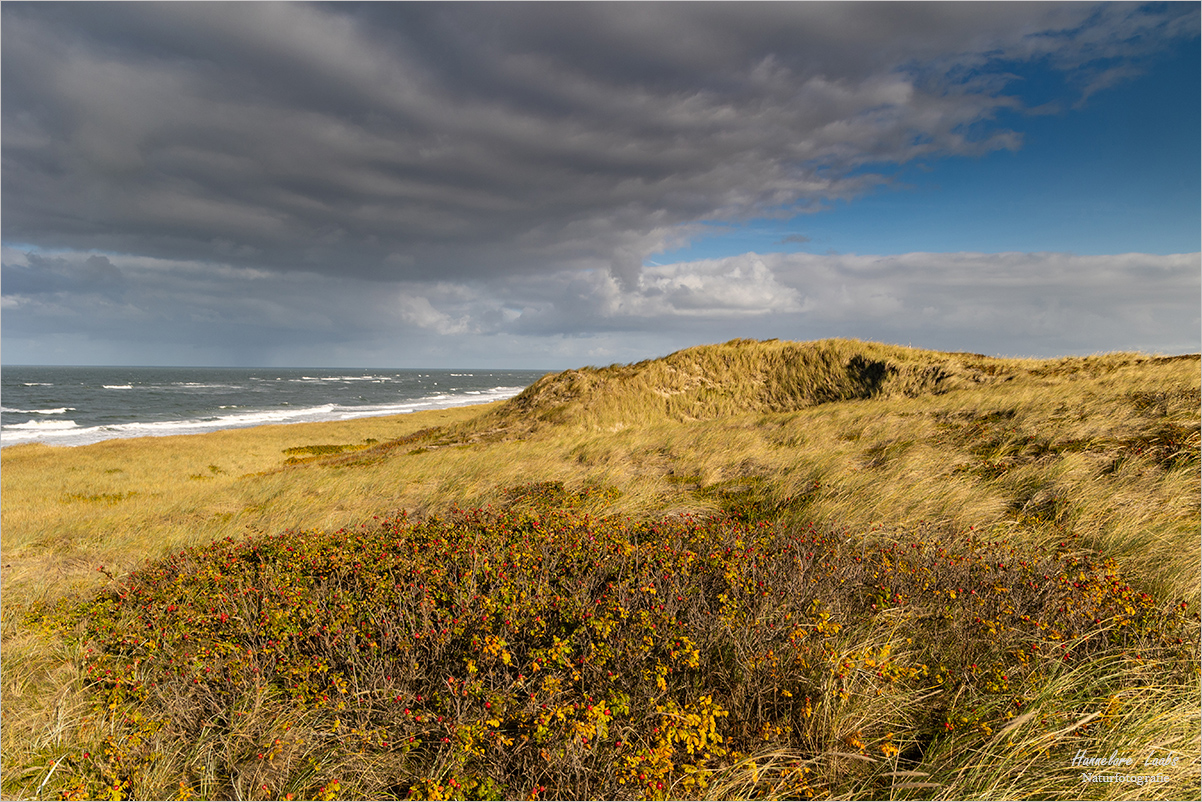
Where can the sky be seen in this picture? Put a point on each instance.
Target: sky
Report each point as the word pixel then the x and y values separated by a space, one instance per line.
pixel 551 185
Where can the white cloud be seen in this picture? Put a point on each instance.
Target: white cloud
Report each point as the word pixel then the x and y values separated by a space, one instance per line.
pixel 712 288
pixel 418 311
pixel 1032 303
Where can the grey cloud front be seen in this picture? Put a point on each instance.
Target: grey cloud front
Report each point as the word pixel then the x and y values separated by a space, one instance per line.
pixel 332 176
pixel 1040 304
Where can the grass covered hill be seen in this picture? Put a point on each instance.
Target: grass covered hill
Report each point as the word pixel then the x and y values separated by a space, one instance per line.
pixel 784 570
pixel 741 376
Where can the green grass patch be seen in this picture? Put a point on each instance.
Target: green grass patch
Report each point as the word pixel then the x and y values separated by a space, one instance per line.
pixel 98 498
pixel 301 454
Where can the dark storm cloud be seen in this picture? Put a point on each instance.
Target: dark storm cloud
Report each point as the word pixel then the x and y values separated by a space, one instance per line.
pixel 127 304
pixel 38 275
pixel 419 141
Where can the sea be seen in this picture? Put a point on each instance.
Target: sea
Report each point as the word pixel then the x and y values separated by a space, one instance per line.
pixel 73 406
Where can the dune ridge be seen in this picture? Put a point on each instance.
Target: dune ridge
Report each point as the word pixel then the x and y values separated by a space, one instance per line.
pixel 833 570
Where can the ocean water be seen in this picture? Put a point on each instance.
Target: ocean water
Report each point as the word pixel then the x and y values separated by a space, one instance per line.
pixel 72 406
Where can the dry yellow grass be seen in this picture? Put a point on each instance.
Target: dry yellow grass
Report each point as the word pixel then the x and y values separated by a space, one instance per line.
pixel 1078 446
pixel 1100 452
pixel 67 511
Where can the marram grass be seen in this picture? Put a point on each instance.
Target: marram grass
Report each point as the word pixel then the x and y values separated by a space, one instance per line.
pixel 829 570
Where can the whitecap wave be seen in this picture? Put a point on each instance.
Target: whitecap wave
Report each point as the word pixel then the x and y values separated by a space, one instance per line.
pixel 205 386
pixel 42 425
pixel 65 432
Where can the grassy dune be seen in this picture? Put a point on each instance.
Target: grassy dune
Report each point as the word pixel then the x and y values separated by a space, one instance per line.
pixel 832 569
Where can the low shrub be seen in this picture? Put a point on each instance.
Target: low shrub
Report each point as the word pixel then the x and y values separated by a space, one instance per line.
pixel 537 651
